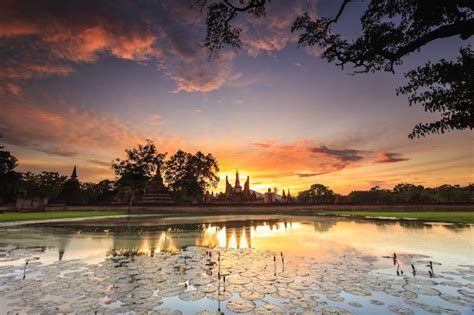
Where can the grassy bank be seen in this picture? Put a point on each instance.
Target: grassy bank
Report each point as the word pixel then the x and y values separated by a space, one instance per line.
pixel 435 216
pixel 6 217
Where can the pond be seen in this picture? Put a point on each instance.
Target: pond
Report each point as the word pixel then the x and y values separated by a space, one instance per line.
pixel 237 264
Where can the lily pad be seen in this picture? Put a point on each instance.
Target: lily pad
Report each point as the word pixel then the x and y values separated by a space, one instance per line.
pixel 251 295
pixel 240 306
pixel 192 295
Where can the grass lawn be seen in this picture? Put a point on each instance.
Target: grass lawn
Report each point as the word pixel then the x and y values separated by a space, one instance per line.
pixel 4 217
pixel 439 216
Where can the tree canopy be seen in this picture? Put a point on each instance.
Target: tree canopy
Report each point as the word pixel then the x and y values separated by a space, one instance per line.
pixel 45 184
pixel 317 193
pixel 102 192
pixel 7 161
pixel 141 163
pixel 9 179
pixel 189 175
pixel 403 193
pixel 391 30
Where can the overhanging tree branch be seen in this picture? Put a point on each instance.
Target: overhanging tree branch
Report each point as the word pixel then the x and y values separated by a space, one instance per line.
pixel 391 30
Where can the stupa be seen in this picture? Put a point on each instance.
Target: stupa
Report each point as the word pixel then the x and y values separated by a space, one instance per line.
pixel 71 193
pixel 156 193
pixel 123 196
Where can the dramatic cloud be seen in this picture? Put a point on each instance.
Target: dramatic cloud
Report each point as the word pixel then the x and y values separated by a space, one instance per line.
pixel 273 32
pixel 204 75
pixel 343 154
pixel 64 129
pixel 387 157
pixel 41 39
pixel 299 159
pixel 7 88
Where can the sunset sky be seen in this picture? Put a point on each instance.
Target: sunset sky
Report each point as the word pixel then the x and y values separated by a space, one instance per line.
pixel 80 81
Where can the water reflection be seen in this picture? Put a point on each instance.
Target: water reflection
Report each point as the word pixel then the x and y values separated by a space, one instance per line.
pixel 320 238
pixel 147 243
pixel 237 236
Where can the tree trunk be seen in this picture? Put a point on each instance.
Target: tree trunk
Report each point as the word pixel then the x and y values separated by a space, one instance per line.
pixel 131 202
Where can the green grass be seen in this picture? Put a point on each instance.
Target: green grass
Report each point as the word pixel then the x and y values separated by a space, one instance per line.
pixel 438 216
pixel 6 217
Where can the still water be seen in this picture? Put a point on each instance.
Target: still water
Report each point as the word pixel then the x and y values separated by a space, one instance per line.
pixel 309 241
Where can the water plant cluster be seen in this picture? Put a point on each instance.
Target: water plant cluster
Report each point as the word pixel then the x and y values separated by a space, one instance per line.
pixel 208 281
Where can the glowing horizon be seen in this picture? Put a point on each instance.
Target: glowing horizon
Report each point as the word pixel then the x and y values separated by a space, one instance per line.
pixel 104 82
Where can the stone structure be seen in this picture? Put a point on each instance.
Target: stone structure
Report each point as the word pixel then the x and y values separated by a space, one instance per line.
pixel 269 196
pixel 123 196
pixel 31 203
pixel 156 193
pixel 71 193
pixel 286 198
pixel 237 193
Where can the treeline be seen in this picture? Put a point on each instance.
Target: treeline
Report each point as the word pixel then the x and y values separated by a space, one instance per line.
pixel 187 176
pixel 403 193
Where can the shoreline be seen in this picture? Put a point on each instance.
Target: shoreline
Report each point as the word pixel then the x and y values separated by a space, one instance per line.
pixel 260 208
pixel 456 214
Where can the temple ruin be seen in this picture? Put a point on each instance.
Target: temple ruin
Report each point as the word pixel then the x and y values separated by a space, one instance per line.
pixel 71 193
pixel 156 193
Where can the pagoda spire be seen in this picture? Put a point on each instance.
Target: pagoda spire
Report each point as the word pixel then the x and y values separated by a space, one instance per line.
pixel 74 173
pixel 228 187
pixel 237 181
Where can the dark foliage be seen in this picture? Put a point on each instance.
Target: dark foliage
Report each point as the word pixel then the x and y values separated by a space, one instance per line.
pixel 45 184
pixel 400 194
pixel 219 15
pixel 413 194
pixel 139 167
pixel 445 87
pixel 189 175
pixel 100 193
pixel 9 179
pixel 318 193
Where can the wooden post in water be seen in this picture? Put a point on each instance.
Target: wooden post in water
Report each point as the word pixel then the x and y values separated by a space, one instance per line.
pixel 275 265
pixel 282 262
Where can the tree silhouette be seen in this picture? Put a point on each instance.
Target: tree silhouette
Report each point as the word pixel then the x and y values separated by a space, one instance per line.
pixel 9 179
pixel 189 176
pixel 45 184
pixel 317 193
pixel 139 167
pixel 391 30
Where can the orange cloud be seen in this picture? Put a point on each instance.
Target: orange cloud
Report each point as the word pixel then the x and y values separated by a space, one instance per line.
pixel 7 88
pixel 203 74
pixel 272 33
pixel 390 157
pixel 49 41
pixel 64 127
pixel 272 164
